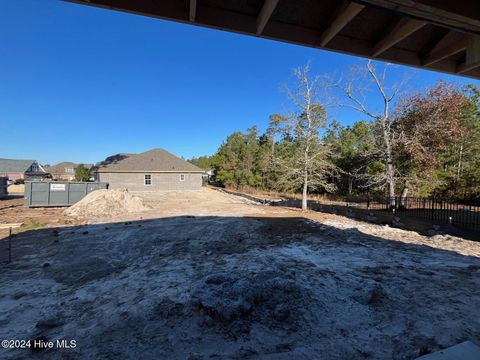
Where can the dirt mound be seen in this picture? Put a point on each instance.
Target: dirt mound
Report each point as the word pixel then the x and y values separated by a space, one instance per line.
pixel 106 203
pixel 266 298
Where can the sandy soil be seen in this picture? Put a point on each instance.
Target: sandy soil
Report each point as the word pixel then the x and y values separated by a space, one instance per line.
pixel 206 275
pixel 16 189
pixel 106 203
pixel 13 211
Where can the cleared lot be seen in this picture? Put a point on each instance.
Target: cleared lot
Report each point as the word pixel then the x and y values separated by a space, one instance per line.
pixel 205 275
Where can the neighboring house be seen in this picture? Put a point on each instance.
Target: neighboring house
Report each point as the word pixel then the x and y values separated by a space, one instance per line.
pixel 210 173
pixel 22 169
pixel 153 170
pixel 65 170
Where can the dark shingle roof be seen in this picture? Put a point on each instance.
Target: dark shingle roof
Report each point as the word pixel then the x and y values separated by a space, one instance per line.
pixel 152 160
pixel 14 166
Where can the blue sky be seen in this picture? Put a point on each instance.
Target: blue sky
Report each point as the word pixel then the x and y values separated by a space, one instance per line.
pixel 79 83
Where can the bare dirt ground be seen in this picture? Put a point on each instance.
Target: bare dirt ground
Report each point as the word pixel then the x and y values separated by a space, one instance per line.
pixel 420 222
pixel 13 211
pixel 207 275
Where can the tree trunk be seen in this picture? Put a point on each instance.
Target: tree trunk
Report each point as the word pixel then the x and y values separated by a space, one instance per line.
pixel 391 186
pixel 391 183
pixel 403 197
pixel 390 173
pixel 305 176
pixel 350 185
pixel 459 170
pixel 271 162
pixel 305 181
pixel 305 192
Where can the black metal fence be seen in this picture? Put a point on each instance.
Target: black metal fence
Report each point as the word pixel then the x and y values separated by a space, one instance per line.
pixel 463 213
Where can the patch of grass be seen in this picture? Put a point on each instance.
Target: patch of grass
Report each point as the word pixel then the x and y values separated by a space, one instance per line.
pixel 34 224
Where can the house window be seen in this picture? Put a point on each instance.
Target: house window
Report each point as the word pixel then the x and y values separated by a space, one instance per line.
pixel 147 179
pixel 182 177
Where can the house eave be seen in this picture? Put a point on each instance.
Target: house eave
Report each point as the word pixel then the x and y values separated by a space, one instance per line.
pixel 151 171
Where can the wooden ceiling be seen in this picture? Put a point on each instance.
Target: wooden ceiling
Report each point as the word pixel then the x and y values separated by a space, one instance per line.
pixel 440 35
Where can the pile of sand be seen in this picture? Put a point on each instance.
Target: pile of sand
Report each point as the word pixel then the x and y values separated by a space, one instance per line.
pixel 106 203
pixel 16 189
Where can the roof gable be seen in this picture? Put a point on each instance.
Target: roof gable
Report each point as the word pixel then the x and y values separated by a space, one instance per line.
pixel 155 160
pixel 15 166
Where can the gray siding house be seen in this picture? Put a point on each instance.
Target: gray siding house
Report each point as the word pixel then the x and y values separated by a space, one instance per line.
pixel 153 170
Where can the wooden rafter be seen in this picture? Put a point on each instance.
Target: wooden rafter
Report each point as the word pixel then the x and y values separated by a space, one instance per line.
pixel 454 14
pixel 401 30
pixel 460 21
pixel 267 10
pixel 463 68
pixel 444 53
pixel 436 41
pixel 472 58
pixel 193 10
pixel 343 18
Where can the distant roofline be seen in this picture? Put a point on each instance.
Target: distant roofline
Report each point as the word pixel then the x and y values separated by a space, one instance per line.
pixel 156 160
pixel 18 159
pixel 60 167
pixel 24 162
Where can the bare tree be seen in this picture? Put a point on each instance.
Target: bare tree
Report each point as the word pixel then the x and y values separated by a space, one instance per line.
pixel 356 89
pixel 307 164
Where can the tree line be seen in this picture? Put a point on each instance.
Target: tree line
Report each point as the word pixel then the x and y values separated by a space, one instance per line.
pixel 425 143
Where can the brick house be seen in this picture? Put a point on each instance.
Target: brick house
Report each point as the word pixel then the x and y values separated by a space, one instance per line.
pixel 153 170
pixel 65 170
pixel 22 169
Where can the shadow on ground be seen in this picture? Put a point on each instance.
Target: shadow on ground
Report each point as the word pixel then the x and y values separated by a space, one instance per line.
pixel 418 220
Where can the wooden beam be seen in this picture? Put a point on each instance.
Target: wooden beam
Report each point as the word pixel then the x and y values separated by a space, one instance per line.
pixel 444 53
pixel 193 10
pixel 460 15
pixel 472 58
pixel 463 68
pixel 438 40
pixel 342 19
pixel 401 30
pixel 243 23
pixel 265 13
pixel 473 50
